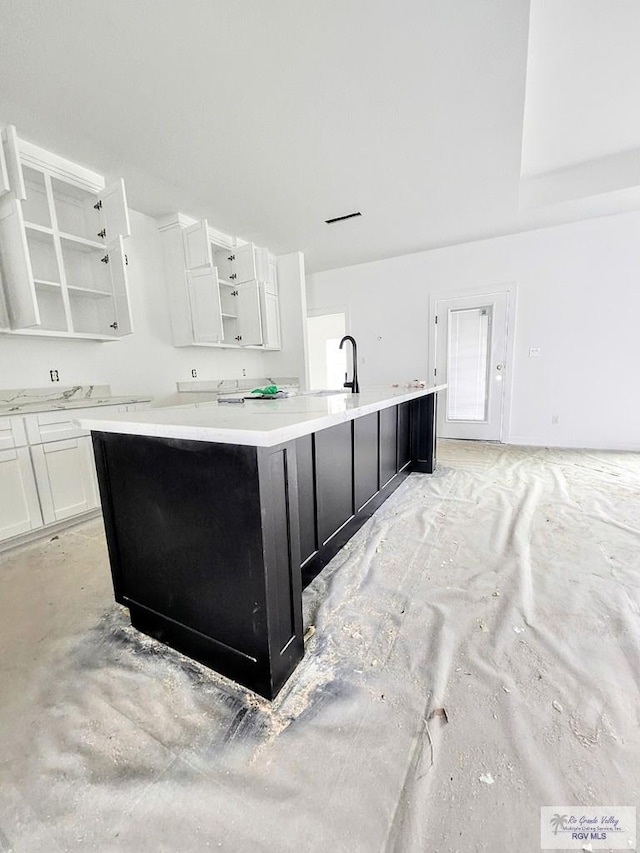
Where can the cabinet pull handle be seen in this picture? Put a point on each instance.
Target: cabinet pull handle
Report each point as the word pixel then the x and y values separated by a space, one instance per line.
pixel 126 260
pixel 233 276
pixel 105 260
pixel 102 233
pixel 231 258
pixel 97 205
pixel 113 325
pixel 238 337
pixel 234 292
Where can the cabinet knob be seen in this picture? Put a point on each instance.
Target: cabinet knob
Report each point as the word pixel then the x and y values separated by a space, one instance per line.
pixel 233 276
pixel 102 233
pixel 105 260
pixel 231 258
pixel 238 337
pixel 113 325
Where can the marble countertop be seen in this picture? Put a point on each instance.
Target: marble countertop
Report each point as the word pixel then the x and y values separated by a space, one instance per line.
pixel 260 423
pixel 25 401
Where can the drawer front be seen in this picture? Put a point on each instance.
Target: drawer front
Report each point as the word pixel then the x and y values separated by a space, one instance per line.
pixel 59 425
pixel 12 433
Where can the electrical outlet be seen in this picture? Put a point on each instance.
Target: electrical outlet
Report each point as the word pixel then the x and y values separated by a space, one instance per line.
pixel 194 373
pixel 53 374
pixel 534 352
pixel 555 419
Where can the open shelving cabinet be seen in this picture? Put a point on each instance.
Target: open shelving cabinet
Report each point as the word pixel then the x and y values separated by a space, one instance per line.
pixel 61 247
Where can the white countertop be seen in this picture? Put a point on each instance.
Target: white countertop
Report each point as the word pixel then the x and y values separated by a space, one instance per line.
pixel 53 405
pixel 260 423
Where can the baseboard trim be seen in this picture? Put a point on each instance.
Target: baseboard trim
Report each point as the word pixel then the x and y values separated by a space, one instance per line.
pixel 50 529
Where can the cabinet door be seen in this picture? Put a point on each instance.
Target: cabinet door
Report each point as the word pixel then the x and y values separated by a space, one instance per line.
pixel 5 186
pixel 306 497
pixel 12 157
pixel 204 298
pixel 118 270
pixel 334 479
pixel 365 460
pixel 66 478
pixel 249 316
pixel 243 264
pixel 197 248
pixel 270 318
pixel 20 292
pixel 272 276
pixel 388 444
pixel 114 212
pixel 19 507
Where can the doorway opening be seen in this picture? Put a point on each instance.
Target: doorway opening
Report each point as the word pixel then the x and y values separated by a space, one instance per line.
pixel 327 362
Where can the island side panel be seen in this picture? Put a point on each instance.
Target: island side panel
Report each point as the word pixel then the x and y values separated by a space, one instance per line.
pixel 281 537
pixel 185 533
pixel 305 458
pixel 423 434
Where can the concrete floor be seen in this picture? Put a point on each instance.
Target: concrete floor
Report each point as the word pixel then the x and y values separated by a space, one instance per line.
pixel 504 590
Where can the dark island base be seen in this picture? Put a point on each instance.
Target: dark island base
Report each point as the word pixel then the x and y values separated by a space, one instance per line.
pixel 210 545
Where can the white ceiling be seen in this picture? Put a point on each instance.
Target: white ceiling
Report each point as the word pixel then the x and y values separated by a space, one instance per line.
pixel 270 117
pixel 583 82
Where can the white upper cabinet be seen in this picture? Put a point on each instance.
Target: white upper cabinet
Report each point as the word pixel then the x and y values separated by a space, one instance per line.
pixel 220 294
pixel 61 251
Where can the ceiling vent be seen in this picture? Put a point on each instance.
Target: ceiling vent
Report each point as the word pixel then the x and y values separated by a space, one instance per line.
pixel 342 218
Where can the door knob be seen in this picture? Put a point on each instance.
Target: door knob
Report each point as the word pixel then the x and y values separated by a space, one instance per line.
pixel 499 366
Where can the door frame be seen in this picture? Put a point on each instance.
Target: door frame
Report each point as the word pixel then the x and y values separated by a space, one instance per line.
pixel 510 288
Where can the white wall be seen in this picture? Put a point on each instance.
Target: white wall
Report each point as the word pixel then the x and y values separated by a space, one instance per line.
pixel 291 360
pixel 144 362
pixel 578 300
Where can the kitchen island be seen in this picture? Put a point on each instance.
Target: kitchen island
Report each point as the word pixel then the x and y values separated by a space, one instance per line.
pixel 217 515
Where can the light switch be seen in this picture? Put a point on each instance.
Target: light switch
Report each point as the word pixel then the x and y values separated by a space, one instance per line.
pixel 534 352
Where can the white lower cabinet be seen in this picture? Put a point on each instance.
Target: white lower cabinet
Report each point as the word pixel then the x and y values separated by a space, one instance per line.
pixel 47 470
pixel 66 478
pixel 19 506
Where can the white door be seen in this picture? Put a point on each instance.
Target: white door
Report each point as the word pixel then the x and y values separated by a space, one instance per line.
pixel 471 352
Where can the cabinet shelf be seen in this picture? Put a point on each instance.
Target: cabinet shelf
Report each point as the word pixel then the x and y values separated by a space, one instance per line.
pixel 75 290
pixel 39 231
pixel 82 243
pixel 47 285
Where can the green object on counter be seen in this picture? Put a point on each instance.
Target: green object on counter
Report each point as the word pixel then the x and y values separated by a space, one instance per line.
pixel 270 390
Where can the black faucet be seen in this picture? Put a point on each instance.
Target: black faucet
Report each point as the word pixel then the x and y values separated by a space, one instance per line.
pixel 354 384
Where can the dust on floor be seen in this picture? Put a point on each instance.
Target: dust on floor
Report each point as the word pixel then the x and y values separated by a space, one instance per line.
pixel 476 656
